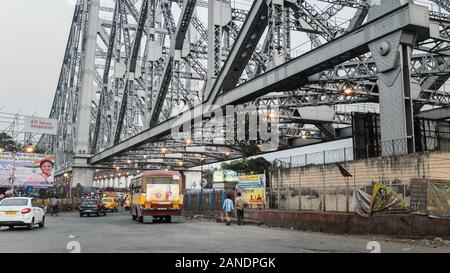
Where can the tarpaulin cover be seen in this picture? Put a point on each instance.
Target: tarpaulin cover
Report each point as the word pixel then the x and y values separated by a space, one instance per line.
pixel 361 203
pixel 439 199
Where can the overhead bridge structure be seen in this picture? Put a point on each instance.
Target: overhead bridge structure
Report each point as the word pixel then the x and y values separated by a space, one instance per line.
pixel 148 84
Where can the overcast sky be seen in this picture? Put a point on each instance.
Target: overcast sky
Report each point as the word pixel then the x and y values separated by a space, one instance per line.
pixel 33 40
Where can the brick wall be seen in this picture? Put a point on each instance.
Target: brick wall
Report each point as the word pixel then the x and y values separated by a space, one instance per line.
pixel 401 170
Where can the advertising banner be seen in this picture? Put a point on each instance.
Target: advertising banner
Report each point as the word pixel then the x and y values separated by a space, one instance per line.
pixel 252 181
pixel 220 176
pixel 230 176
pixel 439 199
pixel 254 196
pixel 253 188
pixel 385 198
pixel 26 170
pixel 162 192
pixel 41 125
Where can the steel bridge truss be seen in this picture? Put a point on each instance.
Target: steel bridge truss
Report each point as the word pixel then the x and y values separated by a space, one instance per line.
pixel 132 66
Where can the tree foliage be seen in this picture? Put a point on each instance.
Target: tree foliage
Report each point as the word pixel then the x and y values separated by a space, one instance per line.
pixel 10 145
pixel 257 165
pixel 7 143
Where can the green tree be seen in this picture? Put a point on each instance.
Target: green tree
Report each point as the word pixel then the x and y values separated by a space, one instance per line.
pixel 8 143
pixel 208 176
pixel 256 165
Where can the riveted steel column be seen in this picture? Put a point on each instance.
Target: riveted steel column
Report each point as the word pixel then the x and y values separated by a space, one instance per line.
pixel 392 55
pixel 87 78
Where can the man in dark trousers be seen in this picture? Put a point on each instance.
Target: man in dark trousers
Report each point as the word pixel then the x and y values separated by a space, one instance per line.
pixel 240 208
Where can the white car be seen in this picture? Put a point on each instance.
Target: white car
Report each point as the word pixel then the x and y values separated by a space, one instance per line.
pixel 21 211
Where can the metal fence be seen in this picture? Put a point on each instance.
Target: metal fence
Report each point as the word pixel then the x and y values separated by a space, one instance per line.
pixel 203 200
pixel 319 158
pixel 396 147
pixel 326 198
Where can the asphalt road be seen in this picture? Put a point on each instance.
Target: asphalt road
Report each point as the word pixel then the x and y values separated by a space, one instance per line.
pixel 118 233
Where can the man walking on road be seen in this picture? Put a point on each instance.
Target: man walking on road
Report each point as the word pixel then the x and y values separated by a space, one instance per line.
pixel 240 208
pixel 228 207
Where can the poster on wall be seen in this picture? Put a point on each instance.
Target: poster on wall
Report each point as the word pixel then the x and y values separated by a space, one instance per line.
pixel 386 199
pixel 230 176
pixel 253 188
pixel 438 199
pixel 27 170
pixel 220 176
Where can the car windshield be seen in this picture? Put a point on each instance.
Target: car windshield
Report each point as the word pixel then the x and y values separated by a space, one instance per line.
pixel 14 202
pixel 89 202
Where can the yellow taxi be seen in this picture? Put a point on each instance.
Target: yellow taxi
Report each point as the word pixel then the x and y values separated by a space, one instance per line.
pixel 110 203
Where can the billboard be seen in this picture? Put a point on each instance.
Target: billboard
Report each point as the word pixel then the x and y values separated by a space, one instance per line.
pixel 252 188
pixel 220 176
pixel 41 125
pixel 162 192
pixel 26 169
pixel 252 181
pixel 230 176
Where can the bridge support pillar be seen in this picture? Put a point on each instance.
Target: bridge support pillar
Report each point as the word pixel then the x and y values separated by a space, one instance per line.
pixel 82 172
pixel 392 55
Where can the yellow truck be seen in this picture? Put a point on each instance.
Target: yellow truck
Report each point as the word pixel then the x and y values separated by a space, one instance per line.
pixel 157 195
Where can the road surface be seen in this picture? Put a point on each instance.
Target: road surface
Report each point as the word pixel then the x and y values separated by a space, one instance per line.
pixel 118 233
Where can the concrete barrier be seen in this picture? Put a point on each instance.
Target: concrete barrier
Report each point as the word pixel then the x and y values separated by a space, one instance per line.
pixel 397 225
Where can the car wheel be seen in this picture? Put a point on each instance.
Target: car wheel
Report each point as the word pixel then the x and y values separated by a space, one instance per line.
pixel 81 214
pixel 141 219
pixel 42 224
pixel 11 227
pixel 31 226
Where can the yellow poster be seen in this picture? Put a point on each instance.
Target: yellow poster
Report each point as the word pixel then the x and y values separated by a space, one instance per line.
pixel 254 196
pixel 385 198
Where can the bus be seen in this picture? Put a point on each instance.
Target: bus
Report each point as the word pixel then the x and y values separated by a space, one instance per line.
pixel 157 195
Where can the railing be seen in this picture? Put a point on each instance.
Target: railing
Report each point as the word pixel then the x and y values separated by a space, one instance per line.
pixel 319 158
pixel 396 147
